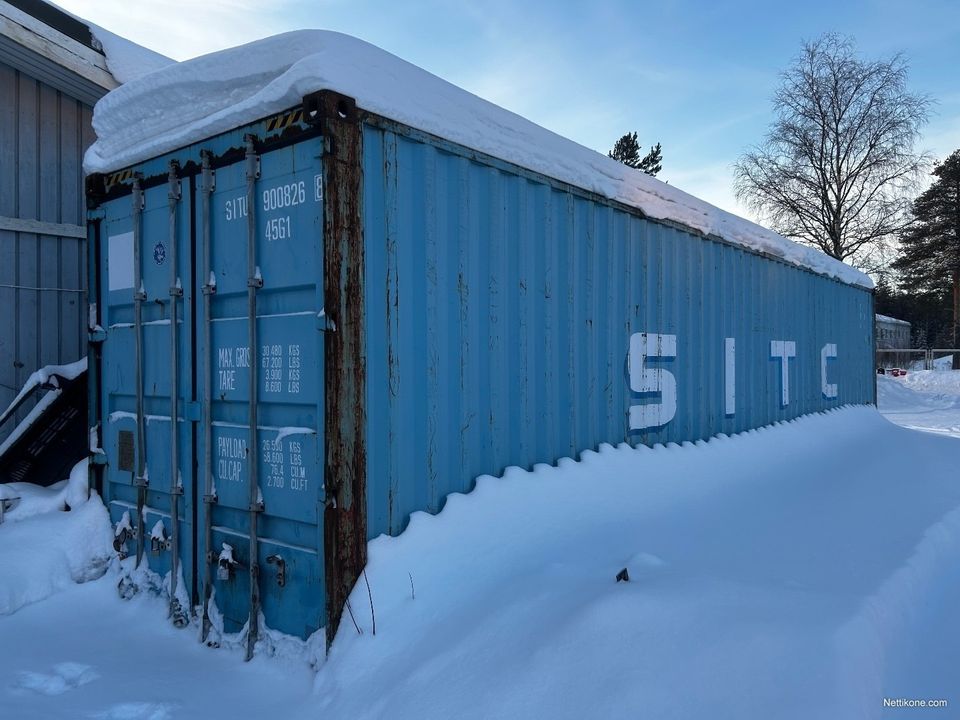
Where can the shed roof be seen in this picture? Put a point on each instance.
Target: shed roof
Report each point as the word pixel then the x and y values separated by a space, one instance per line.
pixel 891 320
pixel 56 19
pixel 67 52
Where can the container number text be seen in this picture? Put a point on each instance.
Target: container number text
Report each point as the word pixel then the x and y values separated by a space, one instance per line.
pixel 283 196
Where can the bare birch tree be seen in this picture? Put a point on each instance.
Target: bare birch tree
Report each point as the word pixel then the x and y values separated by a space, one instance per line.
pixel 837 169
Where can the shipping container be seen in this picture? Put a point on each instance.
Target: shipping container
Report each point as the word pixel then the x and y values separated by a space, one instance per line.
pixel 348 318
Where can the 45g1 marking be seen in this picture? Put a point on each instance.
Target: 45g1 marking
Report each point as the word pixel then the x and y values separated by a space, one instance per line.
pixel 278 229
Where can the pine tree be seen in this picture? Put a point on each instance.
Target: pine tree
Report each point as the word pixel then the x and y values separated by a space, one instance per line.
pixel 885 296
pixel 627 151
pixel 929 259
pixel 652 162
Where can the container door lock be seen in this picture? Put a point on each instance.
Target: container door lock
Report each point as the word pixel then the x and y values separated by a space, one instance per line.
pixel 124 531
pixel 281 568
pixel 226 563
pixel 159 541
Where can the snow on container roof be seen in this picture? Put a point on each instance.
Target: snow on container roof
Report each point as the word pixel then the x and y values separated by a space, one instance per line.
pixel 189 101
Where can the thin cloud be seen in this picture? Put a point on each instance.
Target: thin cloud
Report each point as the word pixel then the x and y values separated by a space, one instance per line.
pixel 182 29
pixel 712 182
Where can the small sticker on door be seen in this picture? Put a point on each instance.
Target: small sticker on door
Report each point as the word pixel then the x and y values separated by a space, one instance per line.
pixel 120 261
pixel 159 253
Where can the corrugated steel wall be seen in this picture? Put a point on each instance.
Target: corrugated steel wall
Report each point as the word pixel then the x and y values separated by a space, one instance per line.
pixel 43 134
pixel 499 313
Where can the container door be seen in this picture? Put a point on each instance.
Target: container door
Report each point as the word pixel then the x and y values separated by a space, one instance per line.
pixel 211 298
pixel 265 540
pixel 145 300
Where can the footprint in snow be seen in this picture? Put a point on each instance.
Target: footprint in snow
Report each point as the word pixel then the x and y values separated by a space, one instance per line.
pixel 65 676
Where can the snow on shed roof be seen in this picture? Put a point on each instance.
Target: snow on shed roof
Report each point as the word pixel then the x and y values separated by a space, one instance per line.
pixel 892 320
pixel 82 48
pixel 184 103
pixel 125 59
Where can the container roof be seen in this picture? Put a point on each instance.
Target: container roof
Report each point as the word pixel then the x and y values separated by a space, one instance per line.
pixel 189 101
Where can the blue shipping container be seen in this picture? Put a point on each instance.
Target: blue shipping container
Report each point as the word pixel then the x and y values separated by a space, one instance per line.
pixel 350 319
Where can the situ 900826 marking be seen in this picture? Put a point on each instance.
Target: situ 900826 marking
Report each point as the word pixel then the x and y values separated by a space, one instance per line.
pixel 284 196
pixel 279 197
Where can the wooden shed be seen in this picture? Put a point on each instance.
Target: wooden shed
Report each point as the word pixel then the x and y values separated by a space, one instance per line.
pixel 53 69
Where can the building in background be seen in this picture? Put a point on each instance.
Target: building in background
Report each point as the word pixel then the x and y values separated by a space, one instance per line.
pixel 891 333
pixel 53 69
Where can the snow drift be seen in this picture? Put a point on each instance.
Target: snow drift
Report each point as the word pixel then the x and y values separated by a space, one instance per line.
pixel 804 570
pixel 43 549
pixel 777 573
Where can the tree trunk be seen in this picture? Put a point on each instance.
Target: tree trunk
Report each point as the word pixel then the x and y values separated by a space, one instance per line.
pixel 956 315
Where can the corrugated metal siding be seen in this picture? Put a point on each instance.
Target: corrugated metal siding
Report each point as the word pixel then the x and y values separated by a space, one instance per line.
pixel 499 311
pixel 43 134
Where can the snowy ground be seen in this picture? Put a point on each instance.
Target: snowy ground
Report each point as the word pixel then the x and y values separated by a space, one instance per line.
pixel 923 400
pixel 806 570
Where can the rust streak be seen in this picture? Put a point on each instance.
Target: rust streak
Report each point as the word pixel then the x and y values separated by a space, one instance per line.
pixel 345 521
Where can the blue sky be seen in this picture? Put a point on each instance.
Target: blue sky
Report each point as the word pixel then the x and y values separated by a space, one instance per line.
pixel 695 76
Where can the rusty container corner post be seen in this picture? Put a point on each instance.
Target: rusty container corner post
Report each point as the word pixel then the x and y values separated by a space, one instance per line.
pixel 345 522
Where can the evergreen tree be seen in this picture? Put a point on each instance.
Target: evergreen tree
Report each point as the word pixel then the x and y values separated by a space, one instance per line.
pixel 652 162
pixel 627 151
pixel 927 312
pixel 885 297
pixel 929 259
